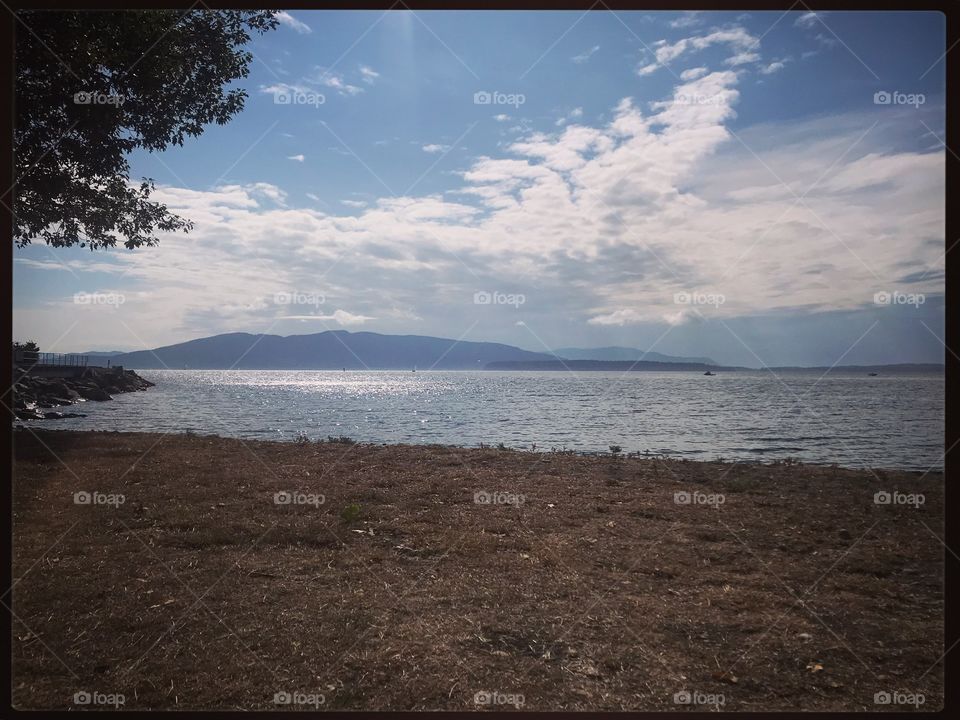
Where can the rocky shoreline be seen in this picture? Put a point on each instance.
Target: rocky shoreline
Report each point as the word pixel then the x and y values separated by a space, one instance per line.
pixel 33 394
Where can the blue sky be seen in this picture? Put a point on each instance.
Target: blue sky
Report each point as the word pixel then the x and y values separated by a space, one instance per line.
pixel 719 184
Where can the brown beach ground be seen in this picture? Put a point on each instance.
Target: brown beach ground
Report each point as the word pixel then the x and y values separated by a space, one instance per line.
pixel 595 590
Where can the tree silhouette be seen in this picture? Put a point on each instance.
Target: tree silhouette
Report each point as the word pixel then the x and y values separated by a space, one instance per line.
pixel 93 86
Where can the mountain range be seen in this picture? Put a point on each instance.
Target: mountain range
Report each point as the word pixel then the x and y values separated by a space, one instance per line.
pixel 330 350
pixel 337 349
pixel 340 349
pixel 626 353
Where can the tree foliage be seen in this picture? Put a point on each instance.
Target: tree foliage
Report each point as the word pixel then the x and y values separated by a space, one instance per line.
pixel 91 87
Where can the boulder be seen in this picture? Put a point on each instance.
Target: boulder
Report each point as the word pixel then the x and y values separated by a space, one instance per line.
pixel 91 392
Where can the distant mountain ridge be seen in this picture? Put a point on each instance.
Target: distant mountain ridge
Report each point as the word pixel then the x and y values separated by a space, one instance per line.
pixel 337 349
pixel 616 352
pixel 646 365
pixel 330 350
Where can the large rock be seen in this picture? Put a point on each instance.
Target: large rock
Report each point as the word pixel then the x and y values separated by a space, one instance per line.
pixel 98 384
pixel 92 392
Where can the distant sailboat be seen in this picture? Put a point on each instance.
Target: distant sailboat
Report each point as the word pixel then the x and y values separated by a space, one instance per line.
pixel 709 373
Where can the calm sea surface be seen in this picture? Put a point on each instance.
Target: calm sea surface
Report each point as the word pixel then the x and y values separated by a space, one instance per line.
pixel 849 419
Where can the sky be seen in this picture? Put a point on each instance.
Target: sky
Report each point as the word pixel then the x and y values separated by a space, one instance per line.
pixel 762 188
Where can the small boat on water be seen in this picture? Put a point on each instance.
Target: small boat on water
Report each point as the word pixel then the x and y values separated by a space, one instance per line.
pixel 872 374
pixel 709 373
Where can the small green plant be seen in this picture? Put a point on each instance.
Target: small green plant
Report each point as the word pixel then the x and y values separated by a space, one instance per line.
pixel 351 513
pixel 615 450
pixel 342 439
pixel 501 446
pixel 302 438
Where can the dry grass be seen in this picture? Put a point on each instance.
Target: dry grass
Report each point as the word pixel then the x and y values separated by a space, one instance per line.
pixel 598 592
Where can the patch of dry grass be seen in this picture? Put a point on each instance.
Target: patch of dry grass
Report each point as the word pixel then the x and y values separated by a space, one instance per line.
pixel 597 592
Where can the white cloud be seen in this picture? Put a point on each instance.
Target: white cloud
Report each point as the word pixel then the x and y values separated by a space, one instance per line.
pixel 693 73
pixel 435 148
pixel 574 114
pixel 341 317
pixel 742 58
pixel 775 66
pixel 369 74
pixel 290 21
pixel 807 20
pixel 335 81
pixel 600 223
pixel 354 203
pixel 298 158
pixel 502 117
pixel 585 55
pixel 688 19
pixel 737 38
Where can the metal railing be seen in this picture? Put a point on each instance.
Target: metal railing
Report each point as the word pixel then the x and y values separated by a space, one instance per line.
pixel 29 357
